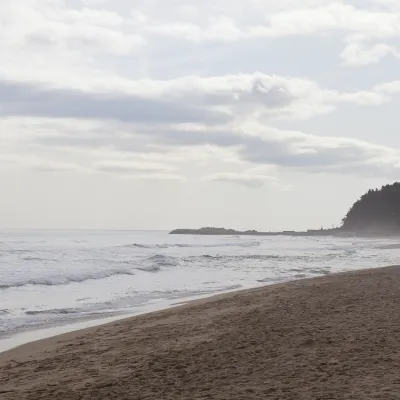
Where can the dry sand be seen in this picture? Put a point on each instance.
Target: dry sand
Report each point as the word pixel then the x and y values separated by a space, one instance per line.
pixel 336 337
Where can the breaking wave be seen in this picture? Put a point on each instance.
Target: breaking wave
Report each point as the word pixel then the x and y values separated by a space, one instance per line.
pixel 238 257
pixel 65 280
pixel 151 268
pixel 319 271
pixel 30 258
pixel 56 311
pixel 392 246
pixel 157 262
pixel 271 257
pixel 146 246
pixel 231 244
pixel 164 261
pixel 188 245
pixel 298 274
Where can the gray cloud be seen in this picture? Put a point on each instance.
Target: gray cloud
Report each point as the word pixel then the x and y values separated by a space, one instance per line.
pixel 248 180
pixel 292 151
pixel 129 168
pixel 24 99
pixel 289 152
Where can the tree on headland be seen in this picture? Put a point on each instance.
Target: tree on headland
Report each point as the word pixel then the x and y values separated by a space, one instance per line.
pixel 376 211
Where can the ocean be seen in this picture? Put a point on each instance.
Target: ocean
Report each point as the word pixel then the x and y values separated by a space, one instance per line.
pixel 51 278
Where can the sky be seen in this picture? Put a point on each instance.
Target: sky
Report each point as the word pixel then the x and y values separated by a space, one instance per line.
pixel 154 114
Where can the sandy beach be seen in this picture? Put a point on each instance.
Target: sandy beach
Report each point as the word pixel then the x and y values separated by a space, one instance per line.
pixel 336 337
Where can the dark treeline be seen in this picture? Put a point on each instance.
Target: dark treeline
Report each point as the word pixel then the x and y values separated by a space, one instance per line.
pixel 376 211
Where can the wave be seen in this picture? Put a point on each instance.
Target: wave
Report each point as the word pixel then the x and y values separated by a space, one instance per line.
pixel 238 257
pixel 266 280
pixel 157 262
pixel 151 268
pixel 230 287
pixel 280 258
pixel 164 261
pixel 234 244
pixel 201 292
pixel 152 264
pixel 31 258
pixel 244 257
pixel 66 280
pixel 18 251
pixel 279 279
pixel 56 311
pixel 300 274
pixel 188 245
pixel 145 246
pixel 392 246
pixel 319 271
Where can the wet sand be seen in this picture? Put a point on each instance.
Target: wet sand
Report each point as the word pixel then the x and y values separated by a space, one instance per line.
pixel 336 337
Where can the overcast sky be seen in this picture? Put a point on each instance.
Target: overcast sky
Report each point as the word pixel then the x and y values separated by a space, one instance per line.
pixel 158 114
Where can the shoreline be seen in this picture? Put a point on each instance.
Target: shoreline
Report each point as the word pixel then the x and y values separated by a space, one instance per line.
pixel 334 336
pixel 30 337
pixel 26 337
pixel 64 332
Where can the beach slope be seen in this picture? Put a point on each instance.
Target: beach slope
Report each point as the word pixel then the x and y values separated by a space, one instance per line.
pixel 336 337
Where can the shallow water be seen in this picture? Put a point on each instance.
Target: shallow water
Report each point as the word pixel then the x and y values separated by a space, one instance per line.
pixel 50 278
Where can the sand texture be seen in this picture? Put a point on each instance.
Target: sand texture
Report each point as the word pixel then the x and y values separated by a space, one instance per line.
pixel 336 337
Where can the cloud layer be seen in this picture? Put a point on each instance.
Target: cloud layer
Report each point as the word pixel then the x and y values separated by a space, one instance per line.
pixel 85 87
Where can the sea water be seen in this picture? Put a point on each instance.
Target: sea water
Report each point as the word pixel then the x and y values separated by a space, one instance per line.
pixel 52 278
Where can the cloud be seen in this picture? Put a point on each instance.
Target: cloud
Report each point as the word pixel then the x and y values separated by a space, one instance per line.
pixel 61 38
pixel 49 166
pixel 390 4
pixel 214 23
pixel 24 99
pixel 260 145
pixel 389 88
pixel 249 180
pixel 139 170
pixel 38 164
pixel 131 168
pixel 93 3
pixel 357 54
pixel 314 154
pixel 157 177
pixel 50 24
pixel 191 99
pixel 335 16
pixel 99 71
pixel 287 21
pixel 251 144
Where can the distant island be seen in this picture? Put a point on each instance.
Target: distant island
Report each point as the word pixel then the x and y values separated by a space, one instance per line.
pixel 376 213
pixel 230 232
